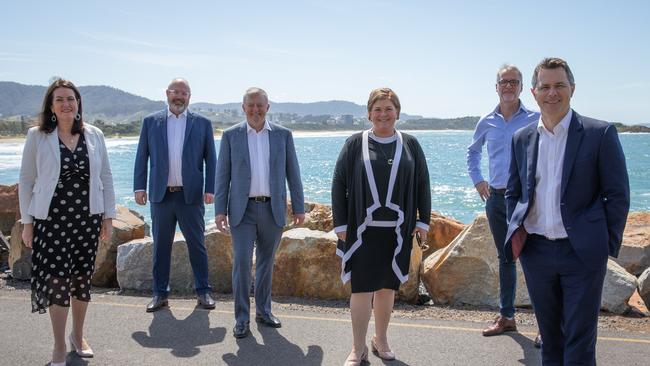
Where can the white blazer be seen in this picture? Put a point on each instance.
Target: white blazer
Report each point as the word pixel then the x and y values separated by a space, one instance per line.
pixel 41 167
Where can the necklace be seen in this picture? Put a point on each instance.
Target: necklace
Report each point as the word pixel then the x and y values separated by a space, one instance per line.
pixel 380 146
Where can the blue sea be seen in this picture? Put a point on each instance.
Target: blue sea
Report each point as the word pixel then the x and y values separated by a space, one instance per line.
pixel 452 192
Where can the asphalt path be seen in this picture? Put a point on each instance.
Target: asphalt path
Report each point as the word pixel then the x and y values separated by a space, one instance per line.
pixel 122 333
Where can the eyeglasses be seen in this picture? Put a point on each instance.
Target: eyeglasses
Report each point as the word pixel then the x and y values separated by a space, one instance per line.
pixel 512 82
pixel 179 93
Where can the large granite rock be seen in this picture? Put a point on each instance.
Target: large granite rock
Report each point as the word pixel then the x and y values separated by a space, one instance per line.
pixel 635 250
pixel 644 287
pixel 306 265
pixel 442 230
pixel 618 288
pixel 467 270
pixel 20 257
pixel 9 208
pixel 126 227
pixel 134 263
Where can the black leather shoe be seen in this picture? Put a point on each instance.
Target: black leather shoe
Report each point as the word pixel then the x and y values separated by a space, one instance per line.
pixel 157 303
pixel 205 301
pixel 269 320
pixel 538 341
pixel 241 330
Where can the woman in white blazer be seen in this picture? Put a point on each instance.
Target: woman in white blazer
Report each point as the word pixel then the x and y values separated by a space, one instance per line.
pixel 67 204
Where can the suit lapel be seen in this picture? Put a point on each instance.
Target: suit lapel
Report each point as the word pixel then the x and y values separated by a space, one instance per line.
pixel 274 148
pixel 573 140
pixel 53 143
pixel 531 155
pixel 162 128
pixel 243 142
pixel 188 127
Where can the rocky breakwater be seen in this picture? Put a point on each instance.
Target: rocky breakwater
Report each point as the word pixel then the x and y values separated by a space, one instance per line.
pixel 466 272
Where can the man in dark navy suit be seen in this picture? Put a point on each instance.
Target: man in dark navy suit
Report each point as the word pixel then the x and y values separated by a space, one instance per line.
pixel 178 146
pixel 567 201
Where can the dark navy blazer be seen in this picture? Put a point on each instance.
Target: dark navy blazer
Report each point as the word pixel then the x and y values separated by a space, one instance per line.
pixel 198 148
pixel 595 192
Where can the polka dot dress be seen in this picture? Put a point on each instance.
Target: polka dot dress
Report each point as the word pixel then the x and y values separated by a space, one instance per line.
pixel 65 243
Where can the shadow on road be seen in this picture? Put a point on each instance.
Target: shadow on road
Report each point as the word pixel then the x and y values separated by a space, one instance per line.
pixel 182 336
pixel 532 355
pixel 273 350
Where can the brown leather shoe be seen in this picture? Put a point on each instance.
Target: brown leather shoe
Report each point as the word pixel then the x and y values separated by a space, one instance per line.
pixel 501 324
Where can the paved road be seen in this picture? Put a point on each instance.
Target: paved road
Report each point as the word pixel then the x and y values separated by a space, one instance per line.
pixel 121 333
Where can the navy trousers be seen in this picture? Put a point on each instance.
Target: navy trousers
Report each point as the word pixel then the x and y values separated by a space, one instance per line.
pixel 258 231
pixel 495 209
pixel 164 216
pixel 566 298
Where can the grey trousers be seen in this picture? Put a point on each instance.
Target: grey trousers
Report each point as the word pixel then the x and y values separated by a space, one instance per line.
pixel 257 230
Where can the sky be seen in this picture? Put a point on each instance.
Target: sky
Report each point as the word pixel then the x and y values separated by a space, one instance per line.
pixel 440 57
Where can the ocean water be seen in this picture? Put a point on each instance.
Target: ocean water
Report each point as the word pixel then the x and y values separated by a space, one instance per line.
pixel 452 192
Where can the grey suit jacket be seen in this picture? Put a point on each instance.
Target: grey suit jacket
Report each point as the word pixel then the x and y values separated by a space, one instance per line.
pixel 233 178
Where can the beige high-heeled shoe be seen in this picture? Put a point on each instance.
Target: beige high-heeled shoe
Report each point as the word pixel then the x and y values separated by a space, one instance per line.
pixel 54 355
pixel 354 361
pixel 83 351
pixel 387 355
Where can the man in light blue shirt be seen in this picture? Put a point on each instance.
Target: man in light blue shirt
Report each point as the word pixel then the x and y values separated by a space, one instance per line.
pixel 496 129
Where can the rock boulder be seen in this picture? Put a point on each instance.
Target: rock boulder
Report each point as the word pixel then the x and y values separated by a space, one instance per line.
pixel 126 227
pixel 20 257
pixel 644 287
pixel 467 270
pixel 9 208
pixel 134 263
pixel 618 288
pixel 635 250
pixel 442 230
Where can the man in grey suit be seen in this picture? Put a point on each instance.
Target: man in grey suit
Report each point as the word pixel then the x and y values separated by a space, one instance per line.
pixel 256 160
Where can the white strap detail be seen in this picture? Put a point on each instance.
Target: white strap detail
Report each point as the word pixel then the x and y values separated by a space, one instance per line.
pixel 382 223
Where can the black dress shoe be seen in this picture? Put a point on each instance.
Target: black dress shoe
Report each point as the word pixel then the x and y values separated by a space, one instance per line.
pixel 157 303
pixel 269 320
pixel 205 301
pixel 241 330
pixel 538 341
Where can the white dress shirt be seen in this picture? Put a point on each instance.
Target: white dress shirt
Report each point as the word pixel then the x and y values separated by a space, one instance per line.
pixel 175 138
pixel 259 153
pixel 545 217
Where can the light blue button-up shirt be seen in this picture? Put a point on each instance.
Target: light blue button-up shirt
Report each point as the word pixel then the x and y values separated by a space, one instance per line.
pixel 497 133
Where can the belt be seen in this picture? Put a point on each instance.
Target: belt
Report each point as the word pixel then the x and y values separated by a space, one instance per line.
pixel 500 191
pixel 260 199
pixel 542 237
pixel 175 189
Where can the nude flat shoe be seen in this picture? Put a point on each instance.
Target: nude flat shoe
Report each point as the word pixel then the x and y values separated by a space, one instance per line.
pixel 86 352
pixel 353 361
pixel 57 363
pixel 387 355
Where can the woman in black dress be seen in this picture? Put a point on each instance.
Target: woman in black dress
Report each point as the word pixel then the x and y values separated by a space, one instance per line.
pixel 380 199
pixel 67 204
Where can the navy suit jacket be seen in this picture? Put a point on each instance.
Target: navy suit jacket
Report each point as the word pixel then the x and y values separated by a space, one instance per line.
pixel 234 174
pixel 198 149
pixel 595 192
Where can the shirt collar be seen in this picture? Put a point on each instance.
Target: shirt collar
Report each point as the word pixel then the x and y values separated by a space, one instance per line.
pixel 184 114
pixel 522 108
pixel 561 127
pixel 267 126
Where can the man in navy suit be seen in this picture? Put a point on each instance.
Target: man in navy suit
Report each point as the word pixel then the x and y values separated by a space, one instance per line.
pixel 256 161
pixel 567 201
pixel 179 146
